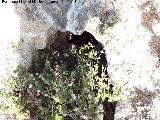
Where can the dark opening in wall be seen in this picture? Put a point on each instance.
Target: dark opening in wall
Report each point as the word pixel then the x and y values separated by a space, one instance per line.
pixel 61 46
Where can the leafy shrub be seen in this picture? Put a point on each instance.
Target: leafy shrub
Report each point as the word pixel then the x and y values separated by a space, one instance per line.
pixel 63 90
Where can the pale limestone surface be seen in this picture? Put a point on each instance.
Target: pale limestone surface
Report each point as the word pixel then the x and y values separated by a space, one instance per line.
pixel 132 44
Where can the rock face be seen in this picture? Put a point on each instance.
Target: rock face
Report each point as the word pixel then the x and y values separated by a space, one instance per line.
pixel 132 45
pixel 134 59
pixel 82 11
pixel 41 21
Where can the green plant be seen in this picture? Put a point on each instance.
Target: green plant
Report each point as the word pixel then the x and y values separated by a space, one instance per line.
pixel 63 93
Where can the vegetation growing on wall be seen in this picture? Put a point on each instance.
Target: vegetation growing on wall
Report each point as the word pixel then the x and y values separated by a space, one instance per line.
pixel 67 88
